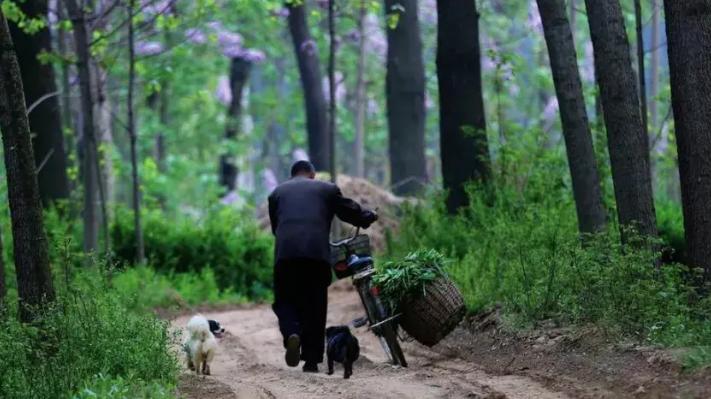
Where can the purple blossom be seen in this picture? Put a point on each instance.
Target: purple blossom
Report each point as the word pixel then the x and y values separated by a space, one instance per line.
pixel 340 88
pixel 156 7
pixel 223 92
pixel 300 154
pixel 229 39
pixel 215 25
pixel 281 12
pixel 534 22
pixel 230 198
pixel 309 47
pixel 269 180
pixel 196 36
pixel 149 48
pixel 428 12
pixel 253 55
pixel 551 109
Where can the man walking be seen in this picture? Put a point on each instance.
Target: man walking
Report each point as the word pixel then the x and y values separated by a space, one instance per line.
pixel 301 211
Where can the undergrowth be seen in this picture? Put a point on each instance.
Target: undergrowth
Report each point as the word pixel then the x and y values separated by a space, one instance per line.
pixel 89 344
pixel 523 252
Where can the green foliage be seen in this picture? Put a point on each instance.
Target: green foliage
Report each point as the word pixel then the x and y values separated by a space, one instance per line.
pixel 89 341
pixel 524 253
pixel 238 254
pixel 142 288
pixel 409 276
pixel 105 387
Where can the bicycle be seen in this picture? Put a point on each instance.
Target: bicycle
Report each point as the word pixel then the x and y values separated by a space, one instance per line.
pixel 361 267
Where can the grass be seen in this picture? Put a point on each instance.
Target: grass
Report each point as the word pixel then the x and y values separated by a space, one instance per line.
pixel 523 252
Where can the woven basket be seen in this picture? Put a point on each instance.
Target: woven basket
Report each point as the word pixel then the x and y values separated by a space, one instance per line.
pixel 432 316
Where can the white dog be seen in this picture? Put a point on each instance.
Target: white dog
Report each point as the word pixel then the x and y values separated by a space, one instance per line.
pixel 200 345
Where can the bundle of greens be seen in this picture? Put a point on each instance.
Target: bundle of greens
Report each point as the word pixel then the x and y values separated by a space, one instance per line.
pixel 407 278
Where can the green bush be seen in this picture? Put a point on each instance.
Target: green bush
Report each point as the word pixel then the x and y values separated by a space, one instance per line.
pixel 230 244
pixel 142 288
pixel 88 333
pixel 523 251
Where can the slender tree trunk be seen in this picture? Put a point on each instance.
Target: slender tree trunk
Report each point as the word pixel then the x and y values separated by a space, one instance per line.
pixel 627 142
pixel 138 229
pixel 361 100
pixel 405 92
pixel 311 81
pixel 641 72
pixel 41 92
pixel 3 286
pixel 239 73
pixel 688 42
pixel 573 115
pixel 90 167
pixel 34 277
pixel 654 78
pixel 332 89
pixel 463 144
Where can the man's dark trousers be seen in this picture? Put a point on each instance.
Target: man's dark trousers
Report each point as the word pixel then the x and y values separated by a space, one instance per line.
pixel 300 303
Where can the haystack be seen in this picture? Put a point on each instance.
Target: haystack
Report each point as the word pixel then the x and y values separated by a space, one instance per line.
pixel 369 195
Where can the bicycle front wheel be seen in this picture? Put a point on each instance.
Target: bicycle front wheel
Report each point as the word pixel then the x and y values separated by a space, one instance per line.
pixel 388 339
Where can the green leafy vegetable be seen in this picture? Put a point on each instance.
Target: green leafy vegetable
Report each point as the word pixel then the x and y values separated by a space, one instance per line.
pixel 408 277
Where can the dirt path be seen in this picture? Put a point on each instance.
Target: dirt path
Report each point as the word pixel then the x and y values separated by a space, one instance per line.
pixel 250 364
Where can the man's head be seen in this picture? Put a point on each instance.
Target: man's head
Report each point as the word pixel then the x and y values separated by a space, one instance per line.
pixel 303 169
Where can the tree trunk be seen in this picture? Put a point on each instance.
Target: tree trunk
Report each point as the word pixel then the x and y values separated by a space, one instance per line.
pixel 41 92
pixel 463 144
pixel 332 90
pixel 138 229
pixel 627 143
pixel 361 100
pixel 574 117
pixel 34 277
pixel 3 286
pixel 641 72
pixel 311 81
pixel 573 17
pixel 239 73
pixel 688 42
pixel 90 162
pixel 654 72
pixel 405 92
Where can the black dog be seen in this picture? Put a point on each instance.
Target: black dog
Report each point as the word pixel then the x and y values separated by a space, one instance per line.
pixel 343 348
pixel 216 329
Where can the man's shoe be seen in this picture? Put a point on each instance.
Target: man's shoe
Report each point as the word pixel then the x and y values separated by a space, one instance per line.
pixel 293 350
pixel 310 367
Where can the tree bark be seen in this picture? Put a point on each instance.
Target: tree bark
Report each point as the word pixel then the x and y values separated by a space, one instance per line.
pixel 34 277
pixel 332 89
pixel 90 161
pixel 138 229
pixel 688 43
pixel 641 71
pixel 463 144
pixel 3 286
pixel 361 100
pixel 405 97
pixel 654 72
pixel 41 91
pixel 239 73
pixel 627 143
pixel 311 81
pixel 574 118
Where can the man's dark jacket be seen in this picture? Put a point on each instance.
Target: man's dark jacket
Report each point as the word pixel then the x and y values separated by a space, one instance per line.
pixel 301 211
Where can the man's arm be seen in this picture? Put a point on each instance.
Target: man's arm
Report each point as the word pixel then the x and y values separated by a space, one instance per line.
pixel 273 213
pixel 351 212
